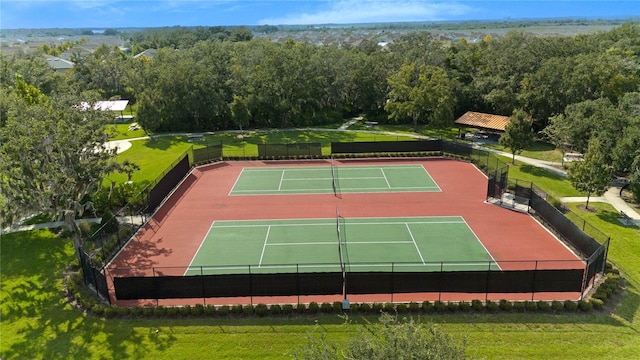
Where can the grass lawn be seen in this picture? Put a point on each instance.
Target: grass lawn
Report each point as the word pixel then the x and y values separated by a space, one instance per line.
pixel 554 184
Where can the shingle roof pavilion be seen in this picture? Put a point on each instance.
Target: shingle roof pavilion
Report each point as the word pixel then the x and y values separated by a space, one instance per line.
pixel 483 121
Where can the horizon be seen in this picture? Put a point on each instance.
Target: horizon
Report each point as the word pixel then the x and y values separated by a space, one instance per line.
pixel 114 14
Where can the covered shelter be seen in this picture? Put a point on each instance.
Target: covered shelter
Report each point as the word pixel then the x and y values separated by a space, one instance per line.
pixel 488 125
pixel 113 105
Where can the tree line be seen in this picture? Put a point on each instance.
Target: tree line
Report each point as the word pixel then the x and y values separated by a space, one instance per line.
pixel 571 89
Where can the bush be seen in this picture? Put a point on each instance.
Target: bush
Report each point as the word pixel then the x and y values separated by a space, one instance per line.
pixel 337 307
pixel 365 308
pixel 492 306
pixel 557 305
pixel 159 311
pixel 452 306
pixel 389 308
pixel 414 307
pixel 439 306
pixel 172 311
pixel 109 223
pixel 287 309
pixel 261 310
pixel 301 308
pixel 570 305
pixel 427 307
pixel 326 308
pixel 236 309
pixel 313 308
pixel 223 310
pixel 464 306
pixel 97 309
pixel 402 308
pixel 210 310
pixel 275 309
pixel 148 311
pixel 110 311
pixel 197 310
pixel 477 305
pixel 585 305
pixel 136 311
pixel 543 306
pixel 597 303
pixel 377 307
pixel 85 228
pixel 519 306
pixel 505 305
pixel 531 305
pixel 185 310
pixel 247 310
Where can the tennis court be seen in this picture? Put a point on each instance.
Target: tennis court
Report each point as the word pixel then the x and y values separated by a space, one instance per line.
pixel 330 179
pixel 363 244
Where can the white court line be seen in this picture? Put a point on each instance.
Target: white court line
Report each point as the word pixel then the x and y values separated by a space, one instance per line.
pixel 199 247
pixel 333 242
pixel 478 240
pixel 329 223
pixel 236 182
pixel 414 242
pixel 385 178
pixel 281 178
pixel 264 246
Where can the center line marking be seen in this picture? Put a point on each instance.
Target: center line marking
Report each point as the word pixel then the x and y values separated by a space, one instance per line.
pixel 264 246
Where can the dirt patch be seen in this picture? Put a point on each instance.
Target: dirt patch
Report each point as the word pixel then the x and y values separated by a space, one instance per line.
pixel 586 209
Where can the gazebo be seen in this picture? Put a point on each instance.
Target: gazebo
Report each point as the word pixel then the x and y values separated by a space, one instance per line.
pixel 487 124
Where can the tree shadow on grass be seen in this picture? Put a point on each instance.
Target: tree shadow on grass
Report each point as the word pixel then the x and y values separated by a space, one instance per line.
pixel 37 320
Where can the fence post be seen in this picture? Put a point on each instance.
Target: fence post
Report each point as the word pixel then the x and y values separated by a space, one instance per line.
pixel 204 298
pixel 533 282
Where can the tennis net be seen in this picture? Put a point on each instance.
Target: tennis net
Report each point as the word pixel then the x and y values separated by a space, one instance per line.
pixel 334 179
pixel 340 252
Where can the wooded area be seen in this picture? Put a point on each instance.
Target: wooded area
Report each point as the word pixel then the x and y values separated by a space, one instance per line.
pixel 574 88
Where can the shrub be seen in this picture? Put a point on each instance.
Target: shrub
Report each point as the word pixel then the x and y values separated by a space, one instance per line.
pixel 597 303
pixel 247 310
pixel 110 311
pixel 185 310
pixel 98 309
pixel 337 307
pixel 477 305
pixel 313 308
pixel 505 305
pixel 287 309
pixel 85 228
pixel 223 310
pixel 365 308
pixel 414 307
pixel 275 309
pixel 377 307
pixel 464 306
pixel 570 305
pixel 136 311
pixel 531 305
pixel 109 223
pixel 519 306
pixel 389 308
pixel 261 310
pixel 557 305
pixel 427 307
pixel 401 308
pixel 236 309
pixel 197 310
pixel 301 308
pixel 585 305
pixel 543 306
pixel 148 311
pixel 440 306
pixel 492 306
pixel 210 310
pixel 172 311
pixel 452 306
pixel 326 308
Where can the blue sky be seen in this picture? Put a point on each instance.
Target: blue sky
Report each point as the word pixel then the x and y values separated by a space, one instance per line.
pixel 100 14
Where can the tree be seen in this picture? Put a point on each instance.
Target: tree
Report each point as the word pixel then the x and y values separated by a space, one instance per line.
pixel 517 134
pixel 52 157
pixel 239 111
pixel 391 338
pixel 420 92
pixel 593 174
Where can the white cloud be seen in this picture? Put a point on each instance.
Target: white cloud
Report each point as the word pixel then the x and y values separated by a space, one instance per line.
pixel 363 11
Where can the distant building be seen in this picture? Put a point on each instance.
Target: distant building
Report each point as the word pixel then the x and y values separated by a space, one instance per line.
pixel 59 64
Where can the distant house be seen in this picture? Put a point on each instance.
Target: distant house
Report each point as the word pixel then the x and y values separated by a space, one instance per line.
pixel 489 125
pixel 59 64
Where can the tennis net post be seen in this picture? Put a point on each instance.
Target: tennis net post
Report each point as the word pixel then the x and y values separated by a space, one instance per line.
pixel 341 256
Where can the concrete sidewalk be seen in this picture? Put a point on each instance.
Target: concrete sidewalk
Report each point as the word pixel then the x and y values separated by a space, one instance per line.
pixel 135 220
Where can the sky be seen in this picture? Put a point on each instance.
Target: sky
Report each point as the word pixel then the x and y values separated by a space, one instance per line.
pixel 101 14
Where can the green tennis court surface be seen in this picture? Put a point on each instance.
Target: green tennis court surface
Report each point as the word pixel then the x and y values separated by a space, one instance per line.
pixel 368 244
pixel 321 180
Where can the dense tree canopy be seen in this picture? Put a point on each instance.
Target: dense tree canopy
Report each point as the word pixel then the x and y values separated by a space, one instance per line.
pixel 214 78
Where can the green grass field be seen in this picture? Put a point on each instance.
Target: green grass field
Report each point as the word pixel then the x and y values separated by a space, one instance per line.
pixel 366 244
